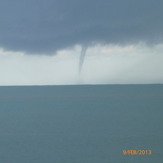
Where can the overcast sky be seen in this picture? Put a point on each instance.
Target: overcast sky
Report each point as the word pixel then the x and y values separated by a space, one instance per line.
pixel 40 41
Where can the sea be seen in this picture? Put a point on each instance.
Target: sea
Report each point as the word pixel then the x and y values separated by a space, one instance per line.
pixel 81 124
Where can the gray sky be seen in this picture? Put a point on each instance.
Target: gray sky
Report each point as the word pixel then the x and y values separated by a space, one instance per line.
pixel 41 41
pixel 39 26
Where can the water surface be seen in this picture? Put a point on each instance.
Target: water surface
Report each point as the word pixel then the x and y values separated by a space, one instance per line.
pixel 81 124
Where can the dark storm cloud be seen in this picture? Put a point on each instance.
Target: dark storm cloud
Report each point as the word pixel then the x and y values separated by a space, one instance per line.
pixel 49 25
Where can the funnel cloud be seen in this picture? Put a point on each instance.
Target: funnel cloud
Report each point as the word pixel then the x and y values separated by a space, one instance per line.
pixel 82 57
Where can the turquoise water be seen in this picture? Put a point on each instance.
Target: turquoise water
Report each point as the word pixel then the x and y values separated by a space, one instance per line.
pixel 81 124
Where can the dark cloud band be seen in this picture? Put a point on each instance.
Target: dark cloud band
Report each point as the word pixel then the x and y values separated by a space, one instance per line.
pixel 46 26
